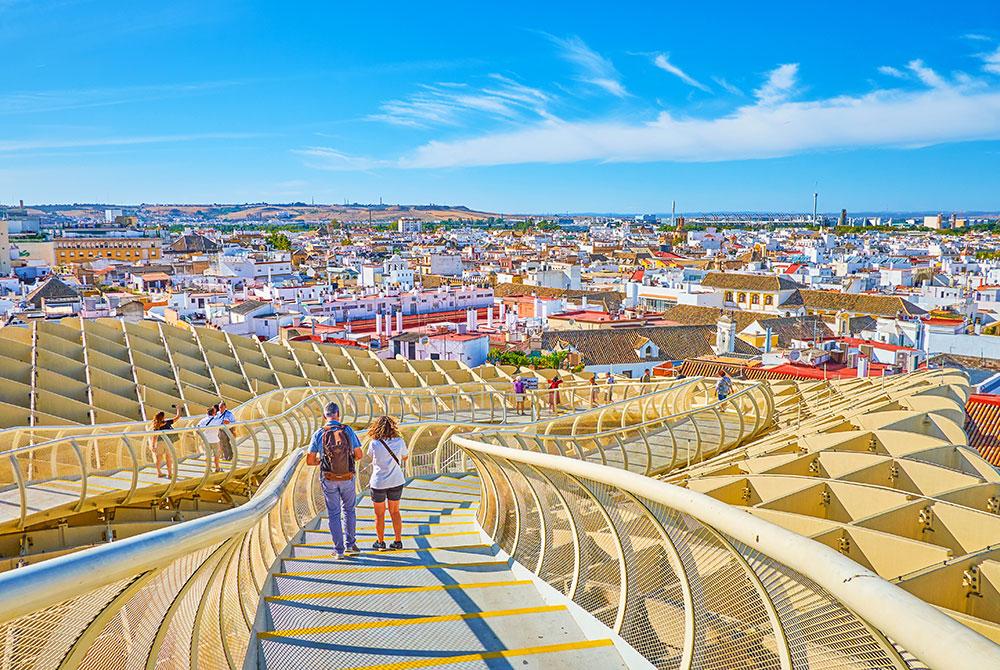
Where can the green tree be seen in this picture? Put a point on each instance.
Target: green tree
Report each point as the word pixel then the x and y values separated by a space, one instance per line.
pixel 279 241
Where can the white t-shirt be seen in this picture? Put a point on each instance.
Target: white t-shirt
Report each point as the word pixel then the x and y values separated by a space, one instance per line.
pixel 212 433
pixel 386 474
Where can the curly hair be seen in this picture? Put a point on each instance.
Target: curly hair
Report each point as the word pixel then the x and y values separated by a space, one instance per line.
pixel 383 428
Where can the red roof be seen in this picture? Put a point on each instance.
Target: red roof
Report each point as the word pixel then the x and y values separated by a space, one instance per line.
pixel 793 268
pixel 638 275
pixel 857 342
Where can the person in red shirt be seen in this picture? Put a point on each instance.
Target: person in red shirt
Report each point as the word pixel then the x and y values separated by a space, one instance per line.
pixel 554 384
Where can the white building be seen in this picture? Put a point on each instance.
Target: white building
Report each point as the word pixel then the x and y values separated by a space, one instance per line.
pixel 409 225
pixel 447 265
pixel 469 348
pixel 555 275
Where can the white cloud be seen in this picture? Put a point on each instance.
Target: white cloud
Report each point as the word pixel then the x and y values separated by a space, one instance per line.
pixel 926 74
pixel 779 85
pixel 991 61
pixel 594 69
pixel 450 104
pixel 662 61
pixel 325 158
pixel 7 146
pixel 891 71
pixel 976 37
pixel 944 110
pixel 33 102
pixel 763 130
pixel 727 87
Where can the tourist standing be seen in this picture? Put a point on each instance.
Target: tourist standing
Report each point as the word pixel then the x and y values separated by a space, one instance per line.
pixel 609 380
pixel 519 394
pixel 335 449
pixel 388 452
pixel 554 385
pixel 210 422
pixel 160 451
pixel 225 438
pixel 593 390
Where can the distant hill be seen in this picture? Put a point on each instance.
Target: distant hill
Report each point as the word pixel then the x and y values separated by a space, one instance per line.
pixel 287 212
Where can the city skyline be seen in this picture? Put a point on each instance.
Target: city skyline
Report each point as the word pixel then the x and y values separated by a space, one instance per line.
pixel 892 108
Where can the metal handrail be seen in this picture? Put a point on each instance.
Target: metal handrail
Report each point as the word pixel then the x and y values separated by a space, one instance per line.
pixel 41 585
pixel 919 628
pixel 614 439
pixel 73 430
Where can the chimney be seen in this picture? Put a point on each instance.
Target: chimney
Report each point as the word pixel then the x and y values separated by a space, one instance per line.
pixel 767 340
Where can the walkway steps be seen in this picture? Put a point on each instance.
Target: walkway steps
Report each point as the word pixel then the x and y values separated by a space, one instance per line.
pixel 447 599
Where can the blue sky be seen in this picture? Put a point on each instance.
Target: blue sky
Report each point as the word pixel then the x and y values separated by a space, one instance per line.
pixel 513 107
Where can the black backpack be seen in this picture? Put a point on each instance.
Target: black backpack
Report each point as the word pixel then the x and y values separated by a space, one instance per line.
pixel 337 462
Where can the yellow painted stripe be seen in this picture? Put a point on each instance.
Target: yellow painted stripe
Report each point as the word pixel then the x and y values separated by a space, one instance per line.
pixel 418 550
pixel 292 597
pixel 405 523
pixel 451 493
pixel 455 484
pixel 407 498
pixel 327 544
pixel 486 655
pixel 391 623
pixel 389 568
pixel 429 511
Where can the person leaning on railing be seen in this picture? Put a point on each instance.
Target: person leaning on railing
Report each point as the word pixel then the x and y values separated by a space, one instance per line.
pixel 161 422
pixel 389 453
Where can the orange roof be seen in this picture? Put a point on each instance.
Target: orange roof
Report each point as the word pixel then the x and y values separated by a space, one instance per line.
pixel 982 425
pixel 156 276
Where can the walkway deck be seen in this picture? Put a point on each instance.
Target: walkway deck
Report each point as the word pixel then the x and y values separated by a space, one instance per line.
pixel 448 598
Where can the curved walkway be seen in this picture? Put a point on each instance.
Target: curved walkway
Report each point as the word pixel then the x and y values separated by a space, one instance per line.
pixel 450 597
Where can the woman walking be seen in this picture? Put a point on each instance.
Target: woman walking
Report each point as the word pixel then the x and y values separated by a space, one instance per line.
pixel 388 451
pixel 161 422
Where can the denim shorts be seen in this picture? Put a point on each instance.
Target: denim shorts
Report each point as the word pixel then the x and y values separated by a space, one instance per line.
pixel 380 495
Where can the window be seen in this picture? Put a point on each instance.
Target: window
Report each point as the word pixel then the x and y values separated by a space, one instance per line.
pixel 742 297
pixel 729 296
pixel 755 299
pixel 768 299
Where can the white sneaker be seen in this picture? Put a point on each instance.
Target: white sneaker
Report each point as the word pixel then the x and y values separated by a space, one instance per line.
pixel 338 556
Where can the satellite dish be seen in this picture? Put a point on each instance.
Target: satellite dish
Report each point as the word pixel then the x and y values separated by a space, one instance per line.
pixel 794 355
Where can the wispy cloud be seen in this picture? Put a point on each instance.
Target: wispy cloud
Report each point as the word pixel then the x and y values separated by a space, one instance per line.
pixel 780 83
pixel 770 127
pixel 593 68
pixel 991 61
pixel 926 74
pixel 325 158
pixel 728 87
pixel 976 37
pixel 11 146
pixel 36 102
pixel 450 103
pixel 891 71
pixel 662 61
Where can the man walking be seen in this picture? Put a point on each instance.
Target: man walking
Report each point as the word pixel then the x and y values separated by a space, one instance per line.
pixel 223 417
pixel 724 386
pixel 335 448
